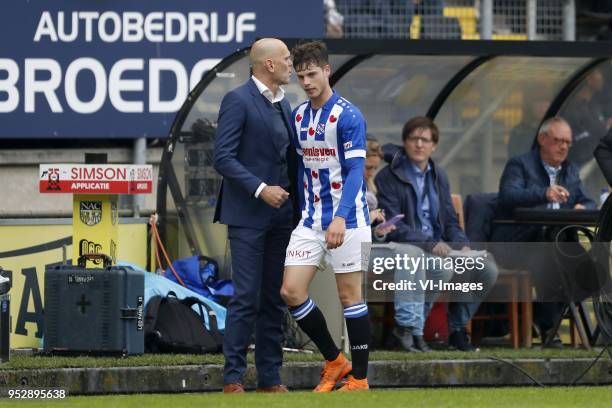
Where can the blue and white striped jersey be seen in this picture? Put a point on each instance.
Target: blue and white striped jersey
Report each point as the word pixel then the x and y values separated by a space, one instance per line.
pixel 326 140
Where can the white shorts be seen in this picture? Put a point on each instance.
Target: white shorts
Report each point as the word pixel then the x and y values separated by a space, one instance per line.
pixel 307 247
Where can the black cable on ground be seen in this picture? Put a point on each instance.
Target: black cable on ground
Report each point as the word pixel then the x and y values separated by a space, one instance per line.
pixel 511 364
pixel 592 364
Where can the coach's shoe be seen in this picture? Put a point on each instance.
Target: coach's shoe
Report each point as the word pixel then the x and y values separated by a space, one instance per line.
pixel 353 384
pixel 332 372
pixel 274 388
pixel 233 388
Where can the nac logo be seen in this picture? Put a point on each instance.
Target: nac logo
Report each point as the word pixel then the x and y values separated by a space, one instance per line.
pixel 90 212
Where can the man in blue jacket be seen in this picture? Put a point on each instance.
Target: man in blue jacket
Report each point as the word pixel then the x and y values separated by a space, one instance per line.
pixel 252 154
pixel 541 178
pixel 413 185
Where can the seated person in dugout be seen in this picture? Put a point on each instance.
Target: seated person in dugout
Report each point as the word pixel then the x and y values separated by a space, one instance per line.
pixel 541 178
pixel 377 215
pixel 414 186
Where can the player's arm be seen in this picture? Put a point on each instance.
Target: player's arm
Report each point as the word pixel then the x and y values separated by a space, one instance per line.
pixel 352 186
pixel 352 132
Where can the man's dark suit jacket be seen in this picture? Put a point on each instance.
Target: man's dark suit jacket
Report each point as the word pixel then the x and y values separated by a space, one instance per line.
pixel 247 154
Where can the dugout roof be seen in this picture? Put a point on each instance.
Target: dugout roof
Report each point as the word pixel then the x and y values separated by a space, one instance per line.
pixel 487 97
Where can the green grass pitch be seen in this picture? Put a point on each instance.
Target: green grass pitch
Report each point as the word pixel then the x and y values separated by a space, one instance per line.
pixel 432 397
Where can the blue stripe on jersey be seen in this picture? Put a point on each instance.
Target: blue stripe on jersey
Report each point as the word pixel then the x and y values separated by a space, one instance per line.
pixel 327 208
pixel 366 210
pixel 306 120
pixel 309 220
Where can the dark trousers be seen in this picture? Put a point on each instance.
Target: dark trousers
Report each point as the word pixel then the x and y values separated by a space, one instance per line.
pixel 258 257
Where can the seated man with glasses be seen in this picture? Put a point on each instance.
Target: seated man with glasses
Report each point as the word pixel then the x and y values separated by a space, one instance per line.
pixel 415 186
pixel 541 178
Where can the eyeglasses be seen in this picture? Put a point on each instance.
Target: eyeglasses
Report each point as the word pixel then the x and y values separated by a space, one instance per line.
pixel 560 142
pixel 416 139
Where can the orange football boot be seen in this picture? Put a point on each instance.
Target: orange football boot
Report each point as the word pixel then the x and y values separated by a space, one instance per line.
pixel 353 384
pixel 333 371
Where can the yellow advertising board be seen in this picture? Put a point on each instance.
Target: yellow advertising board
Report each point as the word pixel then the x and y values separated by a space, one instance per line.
pixel 27 247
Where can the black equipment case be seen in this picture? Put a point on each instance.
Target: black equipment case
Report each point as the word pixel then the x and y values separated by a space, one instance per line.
pixel 94 311
pixel 6 279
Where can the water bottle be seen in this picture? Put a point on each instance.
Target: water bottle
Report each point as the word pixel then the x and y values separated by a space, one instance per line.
pixel 603 196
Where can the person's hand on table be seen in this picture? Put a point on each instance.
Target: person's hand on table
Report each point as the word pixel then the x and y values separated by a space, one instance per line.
pixel 579 207
pixel 557 194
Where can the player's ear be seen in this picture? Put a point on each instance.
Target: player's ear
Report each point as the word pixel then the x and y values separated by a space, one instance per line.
pixel 327 70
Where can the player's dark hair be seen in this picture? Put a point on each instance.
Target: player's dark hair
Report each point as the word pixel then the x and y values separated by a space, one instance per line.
pixel 309 52
pixel 420 122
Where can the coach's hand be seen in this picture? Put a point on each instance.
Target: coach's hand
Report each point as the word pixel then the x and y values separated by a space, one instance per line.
pixel 335 233
pixel 274 196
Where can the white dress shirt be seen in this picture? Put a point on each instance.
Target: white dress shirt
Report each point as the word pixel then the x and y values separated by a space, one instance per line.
pixel 553 173
pixel 265 91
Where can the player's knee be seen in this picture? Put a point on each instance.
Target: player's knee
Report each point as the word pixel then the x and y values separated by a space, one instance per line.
pixel 292 296
pixel 350 297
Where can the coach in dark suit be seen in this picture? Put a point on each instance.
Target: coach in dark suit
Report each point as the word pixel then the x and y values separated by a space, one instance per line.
pixel 252 154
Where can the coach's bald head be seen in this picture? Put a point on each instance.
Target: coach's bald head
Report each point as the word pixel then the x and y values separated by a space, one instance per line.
pixel 271 62
pixel 263 49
